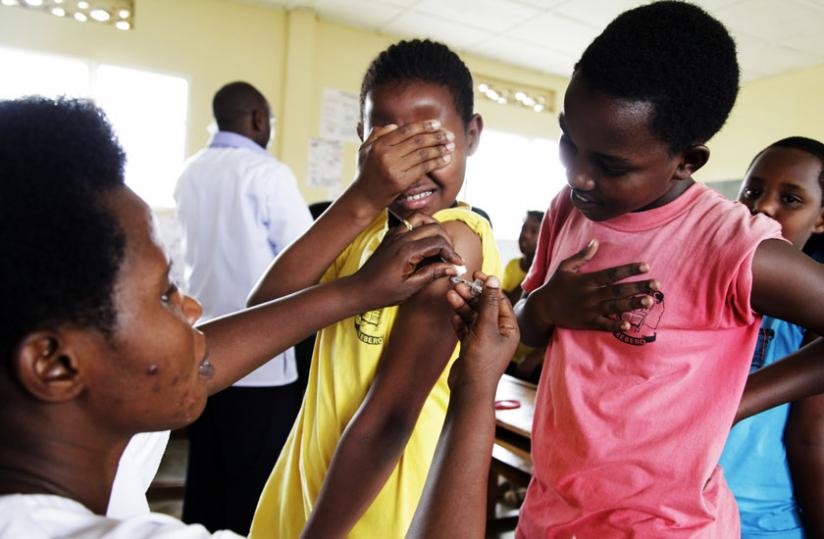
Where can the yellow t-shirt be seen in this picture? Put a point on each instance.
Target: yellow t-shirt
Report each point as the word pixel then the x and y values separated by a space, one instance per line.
pixel 513 275
pixel 345 359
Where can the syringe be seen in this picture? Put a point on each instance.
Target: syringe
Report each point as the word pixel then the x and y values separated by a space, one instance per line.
pixel 476 286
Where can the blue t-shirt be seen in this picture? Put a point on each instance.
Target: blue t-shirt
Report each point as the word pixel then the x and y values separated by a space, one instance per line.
pixel 755 459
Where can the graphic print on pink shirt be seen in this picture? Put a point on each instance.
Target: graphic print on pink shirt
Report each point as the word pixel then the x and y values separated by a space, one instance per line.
pixel 643 322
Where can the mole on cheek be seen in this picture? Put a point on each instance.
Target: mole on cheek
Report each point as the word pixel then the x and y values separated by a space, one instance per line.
pixel 152 370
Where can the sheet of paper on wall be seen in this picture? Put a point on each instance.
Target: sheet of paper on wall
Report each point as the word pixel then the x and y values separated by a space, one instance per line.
pixel 325 163
pixel 339 115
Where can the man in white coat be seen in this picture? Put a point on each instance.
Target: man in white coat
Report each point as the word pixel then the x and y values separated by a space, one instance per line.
pixel 239 207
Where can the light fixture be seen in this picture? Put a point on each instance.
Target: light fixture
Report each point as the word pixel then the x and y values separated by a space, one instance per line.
pixel 100 15
pixel 522 96
pixel 114 13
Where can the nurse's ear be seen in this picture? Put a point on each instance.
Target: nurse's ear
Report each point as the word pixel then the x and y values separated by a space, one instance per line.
pixel 45 364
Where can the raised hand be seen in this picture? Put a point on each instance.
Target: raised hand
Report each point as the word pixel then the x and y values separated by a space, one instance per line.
pixel 578 300
pixel 392 158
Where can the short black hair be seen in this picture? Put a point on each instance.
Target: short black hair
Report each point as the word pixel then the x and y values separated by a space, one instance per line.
pixel 675 56
pixel 234 100
pixel 535 214
pixel 808 145
pixel 426 61
pixel 62 246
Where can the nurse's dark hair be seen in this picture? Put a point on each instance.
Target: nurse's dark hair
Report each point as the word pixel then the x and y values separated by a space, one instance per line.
pixel 62 246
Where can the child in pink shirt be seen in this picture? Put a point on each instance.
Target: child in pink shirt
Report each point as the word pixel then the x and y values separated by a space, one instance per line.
pixel 630 422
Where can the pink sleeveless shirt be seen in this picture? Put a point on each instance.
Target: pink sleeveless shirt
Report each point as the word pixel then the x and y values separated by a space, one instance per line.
pixel 629 426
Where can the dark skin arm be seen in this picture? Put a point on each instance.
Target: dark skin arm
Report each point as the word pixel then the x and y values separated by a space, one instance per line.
pixel 515 294
pixel 531 362
pixel 804 439
pixel 453 503
pixel 578 300
pixel 390 160
pixel 798 300
pixel 377 434
pixel 241 342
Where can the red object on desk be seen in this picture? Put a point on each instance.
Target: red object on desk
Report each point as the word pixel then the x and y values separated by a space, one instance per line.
pixel 507 404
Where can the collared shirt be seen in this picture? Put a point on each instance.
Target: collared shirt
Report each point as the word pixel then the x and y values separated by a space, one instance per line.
pixel 135 472
pixel 238 207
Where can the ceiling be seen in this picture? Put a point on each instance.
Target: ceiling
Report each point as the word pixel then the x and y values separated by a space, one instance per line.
pixel 550 35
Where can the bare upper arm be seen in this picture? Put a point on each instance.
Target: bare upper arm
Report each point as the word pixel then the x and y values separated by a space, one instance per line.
pixel 805 426
pixel 788 284
pixel 422 339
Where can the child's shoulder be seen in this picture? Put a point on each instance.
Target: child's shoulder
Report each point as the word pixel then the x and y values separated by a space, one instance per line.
pixel 463 213
pixel 728 220
pixel 471 235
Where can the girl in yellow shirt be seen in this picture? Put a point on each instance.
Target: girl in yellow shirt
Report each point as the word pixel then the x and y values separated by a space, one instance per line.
pixel 360 450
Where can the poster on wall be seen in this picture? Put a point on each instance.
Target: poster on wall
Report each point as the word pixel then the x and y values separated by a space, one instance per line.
pixel 339 115
pixel 325 163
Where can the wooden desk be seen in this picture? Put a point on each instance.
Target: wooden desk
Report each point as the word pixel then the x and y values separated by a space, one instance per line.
pixel 515 423
pixel 510 454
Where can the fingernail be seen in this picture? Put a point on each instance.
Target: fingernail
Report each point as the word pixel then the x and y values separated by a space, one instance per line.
pixel 450 135
pixel 654 285
pixel 447 158
pixel 591 243
pixel 450 146
pixel 493 282
pixel 646 301
pixel 643 267
pixel 392 126
pixel 434 124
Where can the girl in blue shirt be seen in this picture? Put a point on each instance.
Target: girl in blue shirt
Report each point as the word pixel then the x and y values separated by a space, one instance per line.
pixel 773 461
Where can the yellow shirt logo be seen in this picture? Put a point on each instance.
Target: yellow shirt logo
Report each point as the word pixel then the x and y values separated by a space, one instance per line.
pixel 367 326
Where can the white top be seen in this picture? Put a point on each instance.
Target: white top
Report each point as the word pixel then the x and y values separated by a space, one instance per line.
pixel 239 207
pixel 135 472
pixel 41 516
